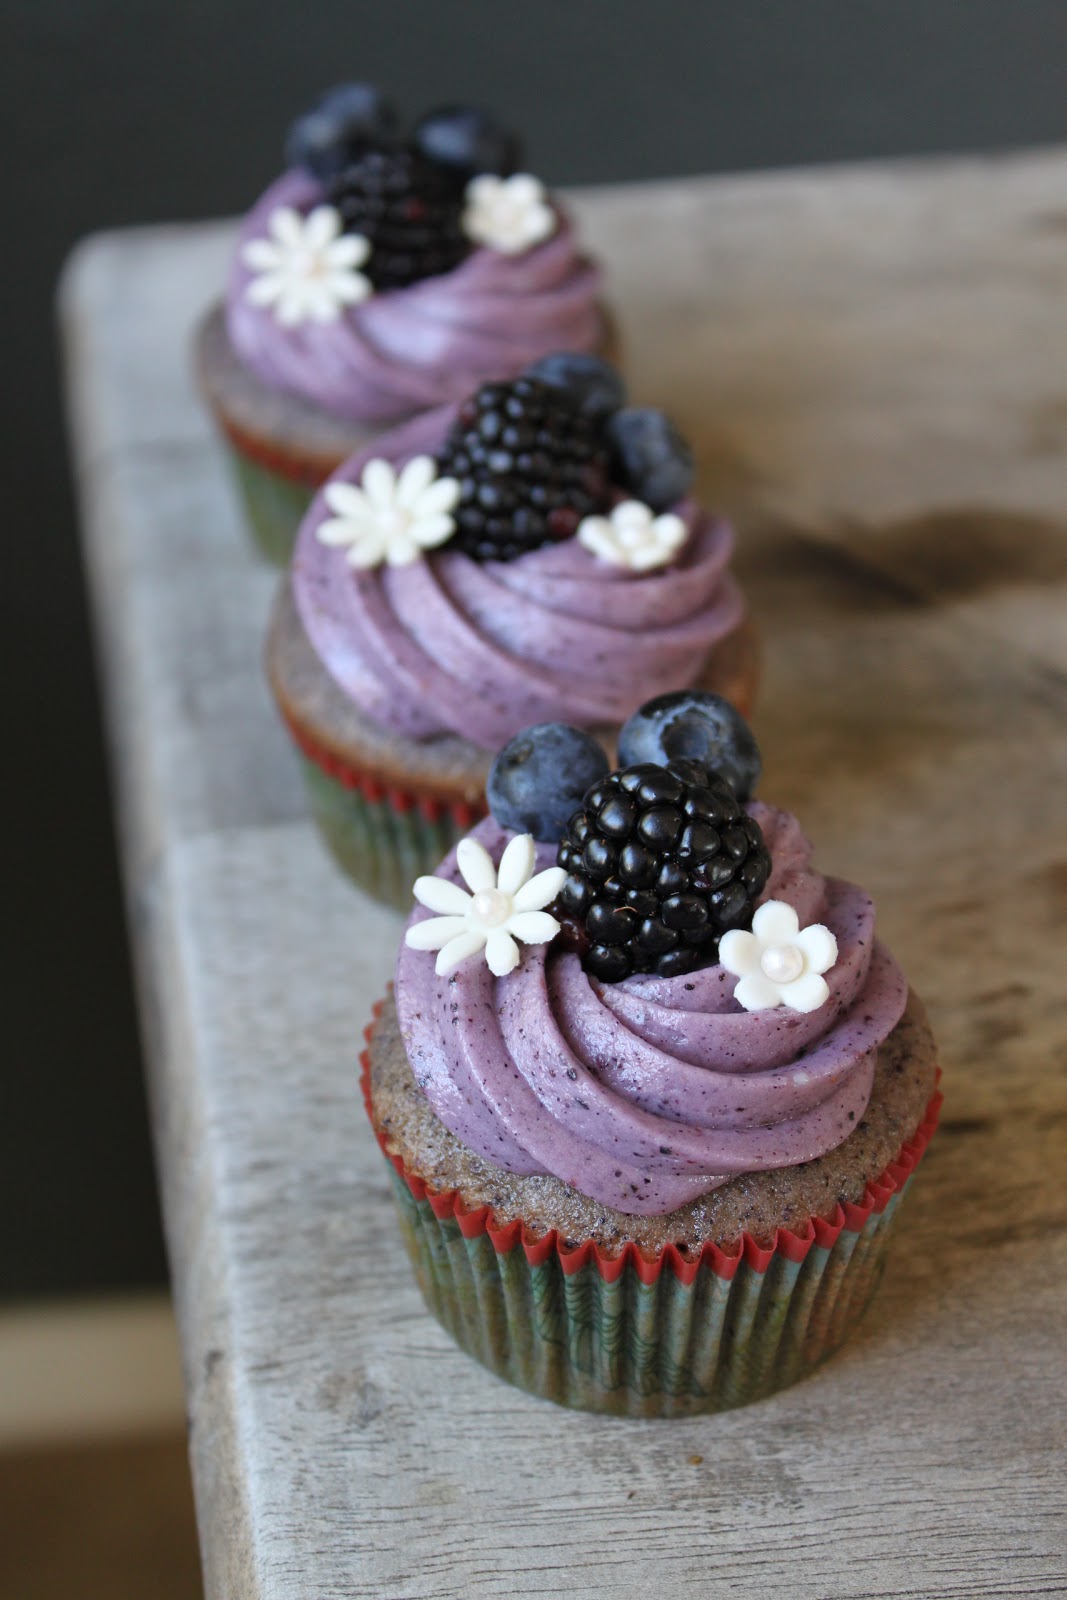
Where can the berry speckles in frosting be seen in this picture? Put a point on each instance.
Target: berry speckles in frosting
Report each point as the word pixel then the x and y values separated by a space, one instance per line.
pixel 649 1092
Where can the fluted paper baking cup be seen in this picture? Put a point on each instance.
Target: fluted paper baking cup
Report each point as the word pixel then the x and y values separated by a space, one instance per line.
pixel 274 502
pixel 672 1335
pixel 382 836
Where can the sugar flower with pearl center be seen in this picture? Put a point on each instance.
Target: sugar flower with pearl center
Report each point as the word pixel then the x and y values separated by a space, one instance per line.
pixel 779 963
pixel 504 904
pixel 633 536
pixel 390 518
pixel 508 214
pixel 306 270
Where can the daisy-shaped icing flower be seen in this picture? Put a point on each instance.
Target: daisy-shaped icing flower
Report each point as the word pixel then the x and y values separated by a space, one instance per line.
pixel 306 269
pixel 779 963
pixel 503 905
pixel 633 536
pixel 389 518
pixel 508 214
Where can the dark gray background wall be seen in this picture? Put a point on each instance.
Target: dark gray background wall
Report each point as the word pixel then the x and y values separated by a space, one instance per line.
pixel 120 112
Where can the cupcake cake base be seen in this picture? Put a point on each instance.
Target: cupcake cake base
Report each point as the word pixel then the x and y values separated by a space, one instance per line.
pixel 390 808
pixel 714 1305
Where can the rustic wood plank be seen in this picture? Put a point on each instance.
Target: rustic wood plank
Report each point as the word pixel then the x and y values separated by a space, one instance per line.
pixel 872 362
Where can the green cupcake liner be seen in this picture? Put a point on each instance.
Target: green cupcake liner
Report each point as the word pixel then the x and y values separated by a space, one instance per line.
pixel 274 505
pixel 664 1349
pixel 382 841
pixel 673 1336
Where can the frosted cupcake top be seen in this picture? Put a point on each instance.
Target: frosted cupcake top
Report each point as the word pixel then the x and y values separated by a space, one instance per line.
pixel 489 566
pixel 741 1030
pixel 380 276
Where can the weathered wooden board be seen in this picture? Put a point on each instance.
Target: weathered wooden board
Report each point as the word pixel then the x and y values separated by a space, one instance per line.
pixel 874 365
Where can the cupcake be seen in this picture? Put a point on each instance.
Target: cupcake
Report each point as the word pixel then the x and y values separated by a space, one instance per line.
pixel 530 556
pixel 650 1088
pixel 382 276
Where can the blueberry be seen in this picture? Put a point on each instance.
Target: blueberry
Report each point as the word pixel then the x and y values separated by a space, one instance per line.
pixel 538 780
pixel 467 140
pixel 594 387
pixel 650 457
pixel 340 127
pixel 692 724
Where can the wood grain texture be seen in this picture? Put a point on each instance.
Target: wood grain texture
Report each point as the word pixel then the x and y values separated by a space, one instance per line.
pixel 873 364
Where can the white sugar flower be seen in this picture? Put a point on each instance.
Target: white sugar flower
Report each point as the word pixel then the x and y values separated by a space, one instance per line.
pixel 778 964
pixel 633 536
pixel 504 905
pixel 508 214
pixel 389 518
pixel 306 270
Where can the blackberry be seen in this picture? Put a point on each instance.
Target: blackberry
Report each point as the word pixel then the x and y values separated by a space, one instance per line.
pixel 530 467
pixel 409 211
pixel 660 862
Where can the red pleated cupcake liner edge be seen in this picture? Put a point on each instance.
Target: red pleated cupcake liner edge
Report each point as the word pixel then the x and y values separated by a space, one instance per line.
pixel 462 813
pixel 793 1244
pixel 309 473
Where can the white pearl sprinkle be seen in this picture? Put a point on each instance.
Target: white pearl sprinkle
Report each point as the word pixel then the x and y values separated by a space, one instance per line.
pixel 492 907
pixel 782 963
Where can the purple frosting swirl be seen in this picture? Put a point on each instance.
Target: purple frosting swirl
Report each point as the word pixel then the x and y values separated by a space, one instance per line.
pixel 451 645
pixel 431 344
pixel 648 1093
